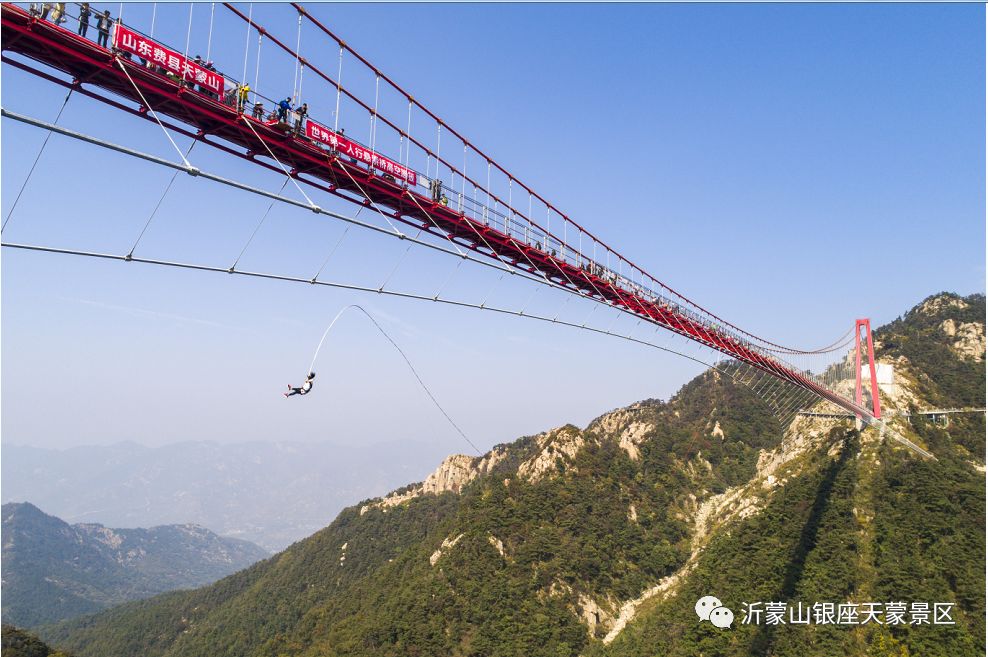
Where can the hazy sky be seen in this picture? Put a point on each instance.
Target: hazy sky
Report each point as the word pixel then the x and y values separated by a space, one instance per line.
pixel 791 167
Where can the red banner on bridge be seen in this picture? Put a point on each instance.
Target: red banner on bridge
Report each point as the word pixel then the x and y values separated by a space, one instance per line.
pixel 317 132
pixel 130 41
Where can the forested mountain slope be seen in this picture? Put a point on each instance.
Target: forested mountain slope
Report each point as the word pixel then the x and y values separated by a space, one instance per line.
pixel 599 541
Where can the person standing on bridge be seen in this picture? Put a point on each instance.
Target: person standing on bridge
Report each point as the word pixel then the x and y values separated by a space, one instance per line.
pixel 103 27
pixel 242 92
pixel 84 13
pixel 284 107
pixel 58 16
pixel 300 115
pixel 304 389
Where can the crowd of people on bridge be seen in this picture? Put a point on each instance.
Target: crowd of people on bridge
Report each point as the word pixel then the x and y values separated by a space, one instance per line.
pixel 57 14
pixel 282 112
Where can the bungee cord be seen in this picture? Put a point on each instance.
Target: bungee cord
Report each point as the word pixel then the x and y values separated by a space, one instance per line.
pixel 404 357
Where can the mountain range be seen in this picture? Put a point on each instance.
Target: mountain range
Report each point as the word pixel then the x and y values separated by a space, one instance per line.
pixel 53 570
pixel 602 541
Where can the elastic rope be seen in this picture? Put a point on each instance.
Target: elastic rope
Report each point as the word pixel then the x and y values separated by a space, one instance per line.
pixel 407 362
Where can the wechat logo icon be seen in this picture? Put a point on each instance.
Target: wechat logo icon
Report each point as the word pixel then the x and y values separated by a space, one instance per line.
pixel 710 608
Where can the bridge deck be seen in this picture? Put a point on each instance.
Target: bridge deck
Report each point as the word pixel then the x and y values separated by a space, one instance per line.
pixel 212 120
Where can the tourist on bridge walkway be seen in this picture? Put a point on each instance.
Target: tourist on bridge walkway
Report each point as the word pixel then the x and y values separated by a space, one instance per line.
pixel 103 26
pixel 242 97
pixel 84 13
pixel 58 16
pixel 284 107
pixel 301 113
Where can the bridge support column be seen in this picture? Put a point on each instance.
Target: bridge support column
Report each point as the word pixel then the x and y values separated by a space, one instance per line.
pixel 875 403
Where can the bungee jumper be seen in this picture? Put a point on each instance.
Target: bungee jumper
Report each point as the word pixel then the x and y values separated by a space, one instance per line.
pixel 307 386
pixel 304 389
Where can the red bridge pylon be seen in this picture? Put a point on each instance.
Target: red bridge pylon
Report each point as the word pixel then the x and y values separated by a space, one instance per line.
pixel 875 404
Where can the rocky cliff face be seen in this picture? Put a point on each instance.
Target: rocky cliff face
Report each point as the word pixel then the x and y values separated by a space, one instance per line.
pixel 455 472
pixel 969 342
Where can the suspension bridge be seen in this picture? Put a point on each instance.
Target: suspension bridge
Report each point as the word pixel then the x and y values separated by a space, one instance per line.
pixel 472 209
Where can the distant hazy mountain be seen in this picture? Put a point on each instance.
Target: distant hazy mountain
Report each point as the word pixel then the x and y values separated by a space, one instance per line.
pixel 53 571
pixel 269 493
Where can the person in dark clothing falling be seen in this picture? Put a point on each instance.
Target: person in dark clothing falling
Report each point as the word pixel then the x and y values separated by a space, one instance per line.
pixel 304 389
pixel 103 27
pixel 84 13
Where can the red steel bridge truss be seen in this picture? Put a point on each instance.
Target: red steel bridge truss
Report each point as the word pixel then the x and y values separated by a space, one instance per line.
pixel 488 217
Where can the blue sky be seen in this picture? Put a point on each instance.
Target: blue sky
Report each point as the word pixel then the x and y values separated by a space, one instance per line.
pixel 790 167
